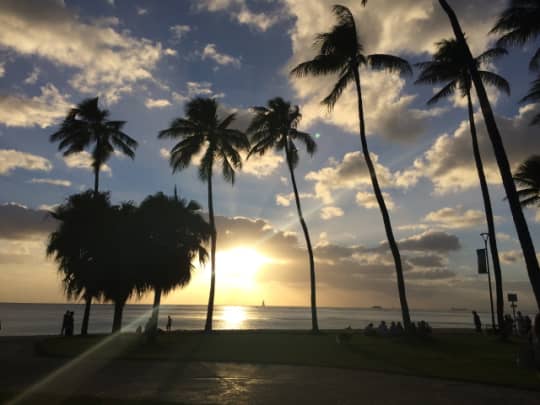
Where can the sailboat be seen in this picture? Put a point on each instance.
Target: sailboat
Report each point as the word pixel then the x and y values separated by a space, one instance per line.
pixel 263 305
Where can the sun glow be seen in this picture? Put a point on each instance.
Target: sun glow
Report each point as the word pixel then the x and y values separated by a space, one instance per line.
pixel 233 317
pixel 238 267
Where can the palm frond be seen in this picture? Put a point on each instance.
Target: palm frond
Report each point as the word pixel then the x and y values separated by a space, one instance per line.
pixel 491 54
pixel 306 139
pixel 320 65
pixel 445 92
pixel 390 63
pixel 346 77
pixel 495 80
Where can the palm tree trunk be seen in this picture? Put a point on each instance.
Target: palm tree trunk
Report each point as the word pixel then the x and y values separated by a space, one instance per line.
pixel 382 205
pixel 118 311
pixel 96 181
pixel 154 319
pixel 489 216
pixel 520 222
pixel 86 315
pixel 314 321
pixel 210 310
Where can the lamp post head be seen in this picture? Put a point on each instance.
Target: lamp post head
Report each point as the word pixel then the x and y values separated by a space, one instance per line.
pixel 485 236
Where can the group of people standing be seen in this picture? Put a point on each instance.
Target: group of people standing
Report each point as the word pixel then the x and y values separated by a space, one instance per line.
pixel 520 326
pixel 68 324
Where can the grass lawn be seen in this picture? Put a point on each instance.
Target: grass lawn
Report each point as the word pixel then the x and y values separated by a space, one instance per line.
pixel 467 357
pixel 43 399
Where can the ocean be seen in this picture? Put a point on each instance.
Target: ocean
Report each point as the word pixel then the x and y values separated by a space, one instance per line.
pixel 46 319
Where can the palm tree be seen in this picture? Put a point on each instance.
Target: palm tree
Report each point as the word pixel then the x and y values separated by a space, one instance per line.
pixel 77 245
pixel 528 176
pixel 341 52
pixel 88 124
pixel 202 130
pixel 275 127
pixel 449 67
pixel 520 222
pixel 173 234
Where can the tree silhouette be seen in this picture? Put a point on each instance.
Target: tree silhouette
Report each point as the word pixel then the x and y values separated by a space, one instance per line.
pixel 173 234
pixel 203 131
pixel 341 52
pixel 78 243
pixel 528 176
pixel 520 222
pixel 449 67
pixel 275 127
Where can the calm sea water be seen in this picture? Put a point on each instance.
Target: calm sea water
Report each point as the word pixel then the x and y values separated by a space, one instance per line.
pixel 45 319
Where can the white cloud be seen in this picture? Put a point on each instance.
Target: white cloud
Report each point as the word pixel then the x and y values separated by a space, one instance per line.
pixel 11 159
pixel 261 166
pixel 239 11
pixel 170 52
pixel 53 182
pixel 330 212
pixel 210 52
pixel 106 60
pixel 33 76
pixel 511 256
pixel 165 153
pixel 2 69
pixel 367 200
pixel 151 103
pixel 178 31
pixel 456 218
pixel 83 160
pixel 43 110
pixel 47 207
pixel 142 11
pixel 285 199
pixel 202 89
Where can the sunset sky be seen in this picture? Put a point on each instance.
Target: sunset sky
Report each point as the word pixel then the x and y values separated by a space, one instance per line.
pixel 146 58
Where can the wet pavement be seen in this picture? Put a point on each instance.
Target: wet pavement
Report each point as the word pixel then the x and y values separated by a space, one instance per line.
pixel 231 383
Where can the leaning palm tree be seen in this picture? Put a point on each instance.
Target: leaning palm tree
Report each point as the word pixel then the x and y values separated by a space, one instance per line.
pixel 528 176
pixel 172 234
pixel 520 222
pixel 275 127
pixel 204 131
pixel 87 124
pixel 449 68
pixel 77 245
pixel 341 52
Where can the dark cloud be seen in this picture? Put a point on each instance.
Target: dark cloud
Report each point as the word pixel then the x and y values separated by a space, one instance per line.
pixel 19 222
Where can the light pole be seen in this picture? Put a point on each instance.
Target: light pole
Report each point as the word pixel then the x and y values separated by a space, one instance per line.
pixel 485 237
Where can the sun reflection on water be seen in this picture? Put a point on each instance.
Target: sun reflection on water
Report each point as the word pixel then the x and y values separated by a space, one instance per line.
pixel 233 317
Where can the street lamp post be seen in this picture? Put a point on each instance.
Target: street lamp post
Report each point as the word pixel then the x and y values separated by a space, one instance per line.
pixel 485 237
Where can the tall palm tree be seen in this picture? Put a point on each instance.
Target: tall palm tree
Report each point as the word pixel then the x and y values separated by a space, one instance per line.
pixel 520 222
pixel 203 130
pixel 77 245
pixel 449 67
pixel 275 127
pixel 173 233
pixel 519 23
pixel 87 124
pixel 341 52
pixel 528 176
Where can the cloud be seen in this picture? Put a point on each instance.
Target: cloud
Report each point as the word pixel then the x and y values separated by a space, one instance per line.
pixel 239 11
pixel 261 166
pixel 165 153
pixel 368 200
pixel 141 11
pixel 511 256
pixel 434 241
pixel 17 110
pixel 456 218
pixel 201 89
pixel 83 160
pixel 286 199
pixel 33 76
pixel 352 173
pixel 151 103
pixel 210 52
pixel 20 222
pixel 11 159
pixel 52 182
pixel 331 212
pixel 106 61
pixel 2 69
pixel 179 31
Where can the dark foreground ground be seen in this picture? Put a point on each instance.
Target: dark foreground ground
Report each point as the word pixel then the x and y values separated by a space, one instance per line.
pixel 146 375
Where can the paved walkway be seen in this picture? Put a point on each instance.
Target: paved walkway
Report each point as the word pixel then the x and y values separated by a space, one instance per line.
pixel 228 383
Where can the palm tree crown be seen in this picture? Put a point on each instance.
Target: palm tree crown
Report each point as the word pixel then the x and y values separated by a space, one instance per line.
pixel 449 66
pixel 528 176
pixel 202 128
pixel 87 124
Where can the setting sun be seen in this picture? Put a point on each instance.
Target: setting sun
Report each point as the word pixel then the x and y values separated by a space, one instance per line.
pixel 237 267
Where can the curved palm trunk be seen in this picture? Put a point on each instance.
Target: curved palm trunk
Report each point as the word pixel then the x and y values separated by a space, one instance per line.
pixel 154 319
pixel 86 316
pixel 96 181
pixel 489 215
pixel 118 312
pixel 382 205
pixel 314 321
pixel 520 222
pixel 210 310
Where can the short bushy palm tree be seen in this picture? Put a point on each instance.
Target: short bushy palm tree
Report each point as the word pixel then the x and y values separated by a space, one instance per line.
pixel 449 68
pixel 520 222
pixel 77 245
pixel 528 176
pixel 88 124
pixel 202 130
pixel 275 127
pixel 341 52
pixel 173 234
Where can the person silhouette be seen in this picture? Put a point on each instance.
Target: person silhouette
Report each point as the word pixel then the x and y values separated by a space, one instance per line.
pixel 477 322
pixel 70 323
pixel 65 321
pixel 169 323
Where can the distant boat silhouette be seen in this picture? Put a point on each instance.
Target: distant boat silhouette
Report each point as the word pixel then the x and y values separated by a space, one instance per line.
pixel 262 305
pixel 376 307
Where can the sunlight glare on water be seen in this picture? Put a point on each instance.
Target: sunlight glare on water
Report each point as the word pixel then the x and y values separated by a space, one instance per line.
pixel 233 317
